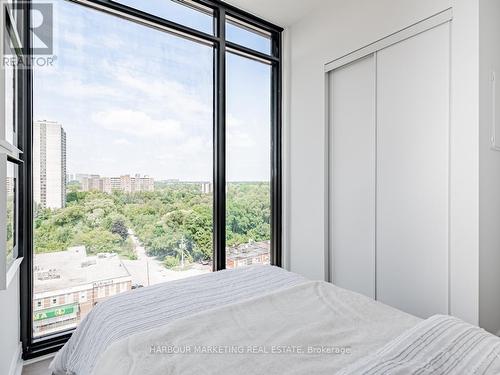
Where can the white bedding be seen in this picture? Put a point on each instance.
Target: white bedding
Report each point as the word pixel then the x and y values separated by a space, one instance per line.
pixel 148 308
pixel 440 345
pixel 245 337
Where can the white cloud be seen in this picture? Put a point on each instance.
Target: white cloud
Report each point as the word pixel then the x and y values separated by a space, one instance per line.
pixel 73 39
pixel 175 97
pixel 137 123
pixel 135 105
pixel 112 41
pixel 77 89
pixel 122 142
pixel 189 160
pixel 238 137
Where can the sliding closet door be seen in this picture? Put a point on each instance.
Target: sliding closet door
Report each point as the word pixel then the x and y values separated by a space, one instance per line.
pixel 412 173
pixel 352 184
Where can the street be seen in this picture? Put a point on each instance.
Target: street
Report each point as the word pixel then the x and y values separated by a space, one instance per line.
pixel 148 270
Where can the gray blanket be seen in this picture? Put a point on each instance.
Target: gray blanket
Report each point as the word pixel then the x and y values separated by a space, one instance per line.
pixel 312 328
pixel 148 308
pixel 440 345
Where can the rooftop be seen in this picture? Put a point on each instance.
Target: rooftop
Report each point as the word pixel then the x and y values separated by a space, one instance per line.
pixel 249 250
pixel 72 268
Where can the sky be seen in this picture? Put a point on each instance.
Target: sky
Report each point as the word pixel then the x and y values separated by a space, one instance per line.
pixel 136 100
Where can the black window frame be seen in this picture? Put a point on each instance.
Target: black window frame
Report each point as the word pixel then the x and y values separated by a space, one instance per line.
pixel 32 347
pixel 13 152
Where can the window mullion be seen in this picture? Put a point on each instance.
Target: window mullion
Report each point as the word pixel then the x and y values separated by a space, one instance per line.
pixel 220 148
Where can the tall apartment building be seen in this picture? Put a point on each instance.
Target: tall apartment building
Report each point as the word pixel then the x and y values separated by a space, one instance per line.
pixel 49 164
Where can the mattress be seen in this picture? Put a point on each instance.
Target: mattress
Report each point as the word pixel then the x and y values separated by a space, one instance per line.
pixel 148 308
pixel 265 320
pixel 440 345
pixel 311 328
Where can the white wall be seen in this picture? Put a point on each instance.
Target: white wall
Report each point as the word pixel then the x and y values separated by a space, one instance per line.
pixel 335 30
pixel 9 327
pixel 489 173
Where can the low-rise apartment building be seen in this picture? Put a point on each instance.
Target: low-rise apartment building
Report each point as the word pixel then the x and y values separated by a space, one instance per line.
pixel 125 183
pixel 248 254
pixel 69 283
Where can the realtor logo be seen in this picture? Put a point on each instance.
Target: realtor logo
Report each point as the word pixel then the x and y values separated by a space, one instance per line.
pixel 41 28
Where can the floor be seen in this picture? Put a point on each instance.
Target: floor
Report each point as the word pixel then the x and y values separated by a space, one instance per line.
pixel 37 368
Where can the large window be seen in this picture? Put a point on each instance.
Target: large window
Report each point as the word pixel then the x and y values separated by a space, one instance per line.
pixel 248 166
pixel 189 13
pixel 10 256
pixel 122 163
pixel 154 151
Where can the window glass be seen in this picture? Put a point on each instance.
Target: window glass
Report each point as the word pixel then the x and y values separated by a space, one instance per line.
pixel 122 162
pixel 248 155
pixel 9 72
pixel 186 13
pixel 12 212
pixel 15 9
pixel 247 35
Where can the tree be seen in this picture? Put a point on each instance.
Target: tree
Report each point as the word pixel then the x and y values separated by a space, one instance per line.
pixel 170 262
pixel 161 220
pixel 118 227
pixel 98 241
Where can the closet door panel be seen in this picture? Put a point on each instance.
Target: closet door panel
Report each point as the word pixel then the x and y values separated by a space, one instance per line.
pixel 352 184
pixel 412 179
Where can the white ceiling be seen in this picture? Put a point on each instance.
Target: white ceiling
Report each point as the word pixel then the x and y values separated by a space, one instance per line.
pixel 280 12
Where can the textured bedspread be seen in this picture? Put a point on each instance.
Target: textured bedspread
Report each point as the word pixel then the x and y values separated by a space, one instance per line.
pixel 312 328
pixel 149 308
pixel 440 345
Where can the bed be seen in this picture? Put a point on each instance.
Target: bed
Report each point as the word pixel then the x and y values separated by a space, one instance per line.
pixel 265 320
